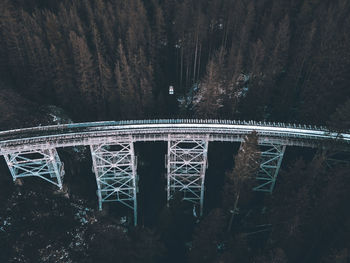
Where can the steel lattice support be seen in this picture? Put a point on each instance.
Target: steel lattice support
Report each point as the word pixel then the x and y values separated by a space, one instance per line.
pixel 45 164
pixel 271 159
pixel 186 165
pixel 115 171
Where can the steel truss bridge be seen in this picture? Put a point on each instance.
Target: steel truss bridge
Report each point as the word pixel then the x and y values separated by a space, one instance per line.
pixel 32 152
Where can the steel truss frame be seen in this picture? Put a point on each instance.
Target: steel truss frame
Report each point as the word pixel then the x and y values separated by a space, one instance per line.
pixel 114 166
pixel 45 164
pixel 186 165
pixel 270 164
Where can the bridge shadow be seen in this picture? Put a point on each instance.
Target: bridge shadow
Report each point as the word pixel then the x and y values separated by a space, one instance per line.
pixel 78 173
pixel 220 159
pixel 151 171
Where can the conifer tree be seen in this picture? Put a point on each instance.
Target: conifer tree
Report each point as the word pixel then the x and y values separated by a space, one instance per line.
pixel 340 119
pixel 242 176
pixel 104 74
pixel 62 77
pixel 84 72
pixel 280 53
pixel 209 98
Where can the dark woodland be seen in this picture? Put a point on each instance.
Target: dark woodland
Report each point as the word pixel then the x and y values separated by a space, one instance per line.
pixel 263 60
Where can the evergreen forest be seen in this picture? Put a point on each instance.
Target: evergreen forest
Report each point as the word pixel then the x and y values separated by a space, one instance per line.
pixel 97 60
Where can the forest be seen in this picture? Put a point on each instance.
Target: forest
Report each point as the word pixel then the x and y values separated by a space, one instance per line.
pixel 263 60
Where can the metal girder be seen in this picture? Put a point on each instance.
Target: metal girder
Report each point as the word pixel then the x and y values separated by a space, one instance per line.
pixel 45 164
pixel 114 166
pixel 271 159
pixel 186 165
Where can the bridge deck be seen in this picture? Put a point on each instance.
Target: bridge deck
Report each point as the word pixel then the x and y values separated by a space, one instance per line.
pixel 93 133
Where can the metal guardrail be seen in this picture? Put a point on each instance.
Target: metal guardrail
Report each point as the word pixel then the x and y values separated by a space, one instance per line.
pixel 165 121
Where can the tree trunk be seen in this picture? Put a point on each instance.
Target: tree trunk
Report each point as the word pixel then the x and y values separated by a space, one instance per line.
pixel 195 60
pixel 199 61
pixel 233 213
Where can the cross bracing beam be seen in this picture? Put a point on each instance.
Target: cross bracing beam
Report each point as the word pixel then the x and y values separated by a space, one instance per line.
pixel 114 166
pixel 44 164
pixel 186 165
pixel 270 163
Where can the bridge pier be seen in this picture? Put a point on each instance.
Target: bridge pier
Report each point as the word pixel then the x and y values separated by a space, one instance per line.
pixel 186 165
pixel 114 166
pixel 45 164
pixel 271 159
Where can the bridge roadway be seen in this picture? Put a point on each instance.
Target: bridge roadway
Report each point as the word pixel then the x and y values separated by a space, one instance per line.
pixel 46 137
pixel 32 152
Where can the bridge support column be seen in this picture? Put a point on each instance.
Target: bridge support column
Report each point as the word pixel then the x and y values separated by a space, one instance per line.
pixel 115 171
pixel 45 164
pixel 186 165
pixel 271 159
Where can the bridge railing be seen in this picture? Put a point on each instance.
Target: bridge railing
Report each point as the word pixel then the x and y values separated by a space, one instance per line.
pixel 77 127
pixel 164 121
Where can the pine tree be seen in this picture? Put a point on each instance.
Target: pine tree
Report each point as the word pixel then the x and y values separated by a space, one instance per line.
pixel 13 50
pixel 280 53
pixel 209 98
pixel 85 76
pixel 104 75
pixel 106 21
pixel 340 119
pixel 242 176
pixel 53 29
pixel 126 88
pixel 62 78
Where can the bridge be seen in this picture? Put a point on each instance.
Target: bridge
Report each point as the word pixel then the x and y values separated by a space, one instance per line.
pixel 32 152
